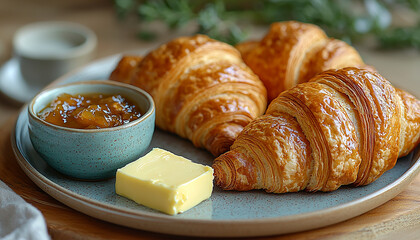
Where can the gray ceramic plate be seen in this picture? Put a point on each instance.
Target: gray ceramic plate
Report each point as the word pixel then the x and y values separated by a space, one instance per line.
pixel 253 213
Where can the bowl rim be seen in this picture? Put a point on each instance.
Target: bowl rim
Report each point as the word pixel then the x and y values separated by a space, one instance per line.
pixel 87 46
pixel 149 112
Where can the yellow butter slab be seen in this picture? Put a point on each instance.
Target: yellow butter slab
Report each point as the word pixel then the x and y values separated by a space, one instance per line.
pixel 164 181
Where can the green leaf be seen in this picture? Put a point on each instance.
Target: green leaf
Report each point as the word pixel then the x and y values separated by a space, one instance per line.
pixel 123 7
pixel 146 35
pixel 343 19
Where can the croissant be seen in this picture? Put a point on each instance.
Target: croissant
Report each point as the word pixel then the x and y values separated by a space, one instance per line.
pixel 202 89
pixel 125 69
pixel 345 126
pixel 293 52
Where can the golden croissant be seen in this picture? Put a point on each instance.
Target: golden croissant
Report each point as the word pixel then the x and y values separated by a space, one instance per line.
pixel 345 126
pixel 202 89
pixel 293 52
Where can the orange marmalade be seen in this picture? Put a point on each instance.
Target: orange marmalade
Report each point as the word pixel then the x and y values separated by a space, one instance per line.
pixel 90 111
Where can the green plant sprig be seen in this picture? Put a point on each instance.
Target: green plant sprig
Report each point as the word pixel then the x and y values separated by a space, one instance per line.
pixel 348 20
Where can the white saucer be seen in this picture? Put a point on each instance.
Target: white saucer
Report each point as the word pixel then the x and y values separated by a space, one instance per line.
pixel 12 85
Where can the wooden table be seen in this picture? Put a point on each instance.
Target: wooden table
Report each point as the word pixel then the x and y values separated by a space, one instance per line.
pixel 398 218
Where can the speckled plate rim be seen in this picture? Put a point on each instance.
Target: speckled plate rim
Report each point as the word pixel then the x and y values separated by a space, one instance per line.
pixel 212 228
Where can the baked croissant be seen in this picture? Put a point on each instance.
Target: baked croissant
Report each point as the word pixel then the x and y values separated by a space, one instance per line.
pixel 202 89
pixel 293 52
pixel 345 126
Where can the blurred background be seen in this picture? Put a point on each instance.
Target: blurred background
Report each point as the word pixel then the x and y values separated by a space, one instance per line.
pixel 386 33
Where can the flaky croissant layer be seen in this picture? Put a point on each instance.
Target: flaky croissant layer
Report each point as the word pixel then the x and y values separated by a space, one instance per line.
pixel 345 126
pixel 202 89
pixel 293 52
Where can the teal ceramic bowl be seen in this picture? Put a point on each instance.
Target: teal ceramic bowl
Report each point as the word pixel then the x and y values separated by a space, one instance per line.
pixel 91 154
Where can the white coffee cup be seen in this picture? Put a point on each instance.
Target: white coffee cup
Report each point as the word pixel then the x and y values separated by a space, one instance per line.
pixel 47 50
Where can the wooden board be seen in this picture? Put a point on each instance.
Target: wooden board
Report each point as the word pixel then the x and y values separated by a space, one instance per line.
pixel 400 217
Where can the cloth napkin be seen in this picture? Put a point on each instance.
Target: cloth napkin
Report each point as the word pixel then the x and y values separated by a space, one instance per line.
pixel 19 219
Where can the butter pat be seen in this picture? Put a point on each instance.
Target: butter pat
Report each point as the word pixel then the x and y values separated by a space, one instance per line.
pixel 164 181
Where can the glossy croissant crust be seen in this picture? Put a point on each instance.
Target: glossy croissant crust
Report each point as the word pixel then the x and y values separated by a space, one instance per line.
pixel 293 52
pixel 202 89
pixel 345 126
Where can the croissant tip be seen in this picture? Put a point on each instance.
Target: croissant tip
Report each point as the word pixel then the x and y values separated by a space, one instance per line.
pixel 220 143
pixel 220 178
pixel 228 172
pixel 222 148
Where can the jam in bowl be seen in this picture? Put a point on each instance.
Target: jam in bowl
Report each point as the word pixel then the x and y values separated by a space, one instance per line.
pixel 87 130
pixel 89 111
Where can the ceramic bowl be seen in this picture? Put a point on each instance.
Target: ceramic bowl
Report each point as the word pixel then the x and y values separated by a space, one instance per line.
pixel 91 154
pixel 47 50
